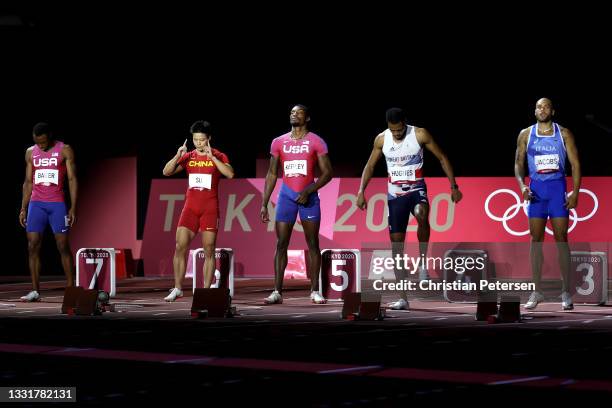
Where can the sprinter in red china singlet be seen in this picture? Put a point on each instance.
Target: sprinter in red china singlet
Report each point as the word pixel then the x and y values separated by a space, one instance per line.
pixel 204 166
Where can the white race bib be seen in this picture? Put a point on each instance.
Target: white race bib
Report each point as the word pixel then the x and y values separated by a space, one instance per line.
pixel 294 168
pixel 200 180
pixel 404 173
pixel 547 163
pixel 46 177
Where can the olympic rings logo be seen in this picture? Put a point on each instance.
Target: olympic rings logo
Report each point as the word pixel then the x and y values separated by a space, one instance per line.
pixel 514 209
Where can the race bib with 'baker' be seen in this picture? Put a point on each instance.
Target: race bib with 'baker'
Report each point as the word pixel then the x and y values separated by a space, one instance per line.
pixel 46 176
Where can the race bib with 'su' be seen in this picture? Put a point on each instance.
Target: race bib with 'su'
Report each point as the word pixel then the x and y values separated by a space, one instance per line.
pixel 201 181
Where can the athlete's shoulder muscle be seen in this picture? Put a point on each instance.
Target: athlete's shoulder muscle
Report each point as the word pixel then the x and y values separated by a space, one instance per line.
pixel 67 152
pixel 523 135
pixel 379 141
pixel 422 135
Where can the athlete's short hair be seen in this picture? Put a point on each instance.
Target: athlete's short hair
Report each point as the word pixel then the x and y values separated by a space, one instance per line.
pixel 304 108
pixel 41 128
pixel 395 115
pixel 201 126
pixel 552 105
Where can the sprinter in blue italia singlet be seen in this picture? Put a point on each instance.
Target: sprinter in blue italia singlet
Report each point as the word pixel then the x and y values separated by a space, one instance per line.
pixel 546 145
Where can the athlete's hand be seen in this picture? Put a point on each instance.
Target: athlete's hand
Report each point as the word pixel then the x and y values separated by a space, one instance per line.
pixel 456 195
pixel 303 197
pixel 23 216
pixel 183 149
pixel 265 218
pixel 71 216
pixel 361 201
pixel 527 193
pixel 571 201
pixel 208 149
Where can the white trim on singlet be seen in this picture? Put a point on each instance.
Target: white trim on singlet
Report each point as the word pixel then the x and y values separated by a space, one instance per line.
pixel 538 135
pixel 561 136
pixel 529 138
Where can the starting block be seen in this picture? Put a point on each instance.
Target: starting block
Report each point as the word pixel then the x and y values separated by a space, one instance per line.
pixel 509 310
pixel 84 302
pixel 487 305
pixel 71 294
pixel 96 269
pixel 467 275
pixel 340 273
pixel 357 308
pixel 212 302
pixel 224 269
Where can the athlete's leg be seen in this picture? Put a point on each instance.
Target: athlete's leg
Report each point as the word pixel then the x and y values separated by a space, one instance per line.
pixel 399 215
pixel 421 213
pixel 560 230
pixel 209 223
pixel 209 239
pixel 536 229
pixel 63 246
pixel 36 223
pixel 184 236
pixel 286 214
pixel 58 218
pixel 34 244
pixel 397 249
pixel 310 214
pixel 283 235
pixel 559 218
pixel 311 232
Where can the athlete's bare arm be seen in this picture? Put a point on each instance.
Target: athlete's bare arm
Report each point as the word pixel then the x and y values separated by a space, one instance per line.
pixel 326 175
pixel 269 187
pixel 27 188
pixel 519 162
pixel 73 185
pixel 572 156
pixel 368 170
pixel 426 139
pixel 171 168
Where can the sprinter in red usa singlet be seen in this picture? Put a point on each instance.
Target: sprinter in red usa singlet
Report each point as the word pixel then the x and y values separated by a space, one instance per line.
pixel 48 162
pixel 296 153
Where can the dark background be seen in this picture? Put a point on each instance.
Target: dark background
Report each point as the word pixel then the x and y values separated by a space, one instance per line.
pixel 120 81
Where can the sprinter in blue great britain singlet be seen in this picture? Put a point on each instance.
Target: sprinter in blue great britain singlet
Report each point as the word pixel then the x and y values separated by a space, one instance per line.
pixel 547 146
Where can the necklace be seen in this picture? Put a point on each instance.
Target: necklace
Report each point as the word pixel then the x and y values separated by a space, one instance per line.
pixel 544 130
pixel 294 137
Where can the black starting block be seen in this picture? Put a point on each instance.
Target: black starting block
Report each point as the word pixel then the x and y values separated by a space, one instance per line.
pixel 358 306
pixel 71 294
pixel 487 305
pixel 509 311
pixel 212 302
pixel 84 302
pixel 87 303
